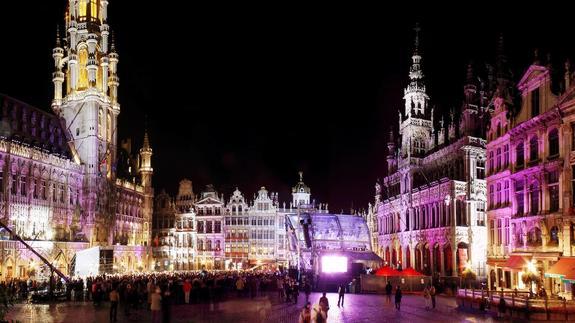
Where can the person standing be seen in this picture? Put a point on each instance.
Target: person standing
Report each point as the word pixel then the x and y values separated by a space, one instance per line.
pixel 324 304
pixel 432 293
pixel 305 314
pixel 156 305
pixel 307 288
pixel 502 307
pixel 187 287
pixel 341 293
pixel 398 298
pixel 427 298
pixel 167 305
pixel 388 290
pixel 114 297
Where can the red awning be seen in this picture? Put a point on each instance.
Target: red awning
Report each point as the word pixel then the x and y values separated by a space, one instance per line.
pixel 387 271
pixel 564 268
pixel 410 272
pixel 516 263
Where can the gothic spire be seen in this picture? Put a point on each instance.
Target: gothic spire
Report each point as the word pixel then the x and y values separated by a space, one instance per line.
pixel 146 140
pixel 470 74
pixel 113 43
pixel 58 43
pixel 417 29
pixel 415 72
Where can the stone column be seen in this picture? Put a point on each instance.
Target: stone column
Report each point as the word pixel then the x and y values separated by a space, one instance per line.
pixel 454 258
pixel 442 259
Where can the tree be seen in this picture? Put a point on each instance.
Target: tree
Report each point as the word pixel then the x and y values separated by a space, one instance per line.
pixel 529 278
pixel 468 275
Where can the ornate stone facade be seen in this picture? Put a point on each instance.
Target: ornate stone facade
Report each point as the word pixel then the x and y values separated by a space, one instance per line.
pixel 58 173
pixel 432 214
pixel 530 177
pixel 206 232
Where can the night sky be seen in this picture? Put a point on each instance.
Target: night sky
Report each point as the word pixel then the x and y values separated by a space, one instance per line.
pixel 248 95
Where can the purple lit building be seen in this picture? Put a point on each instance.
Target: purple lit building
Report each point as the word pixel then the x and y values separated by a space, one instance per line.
pixel 430 208
pixel 64 182
pixel 531 162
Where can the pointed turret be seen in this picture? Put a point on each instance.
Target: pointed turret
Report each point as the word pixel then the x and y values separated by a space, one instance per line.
pixel 146 170
pixel 301 193
pixel 391 158
pixel 416 134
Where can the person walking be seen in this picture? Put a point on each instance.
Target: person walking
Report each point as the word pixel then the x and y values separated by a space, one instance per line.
pixel 388 290
pixel 156 305
pixel 341 293
pixel 432 293
pixel 324 304
pixel 187 287
pixel 502 307
pixel 319 315
pixel 167 305
pixel 398 298
pixel 114 297
pixel 305 314
pixel 427 298
pixel 307 288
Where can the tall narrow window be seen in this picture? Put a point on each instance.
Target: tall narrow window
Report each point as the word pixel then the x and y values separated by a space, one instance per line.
pixel 535 102
pixel 101 123
pixel 554 143
pixel 498 158
pixel 14 184
pixel 519 197
pixel 498 199
pixel 492 232
pixel 490 162
pixel 534 197
pixel 480 169
pixel 554 191
pixel 533 148
pixel 506 193
pixel 507 231
pixel 491 196
pixel 109 127
pixel 499 231
pixel 23 180
pixel 519 158
pixel 505 156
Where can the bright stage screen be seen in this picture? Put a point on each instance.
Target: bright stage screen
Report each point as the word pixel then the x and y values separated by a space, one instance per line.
pixel 334 264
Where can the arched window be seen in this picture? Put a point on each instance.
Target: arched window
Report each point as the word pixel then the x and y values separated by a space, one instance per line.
pixel 534 197
pixel 533 149
pixel 109 126
pixel 534 237
pixel 82 63
pixel 554 236
pixel 498 199
pixel 519 158
pixel 101 122
pixel 505 156
pixel 498 159
pixel 554 143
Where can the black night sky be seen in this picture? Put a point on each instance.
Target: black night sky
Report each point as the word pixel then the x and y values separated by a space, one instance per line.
pixel 247 95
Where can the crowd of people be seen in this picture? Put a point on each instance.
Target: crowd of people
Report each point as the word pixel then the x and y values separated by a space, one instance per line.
pixel 159 291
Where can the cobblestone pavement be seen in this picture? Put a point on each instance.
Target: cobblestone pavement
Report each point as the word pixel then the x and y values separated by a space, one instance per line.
pixel 358 308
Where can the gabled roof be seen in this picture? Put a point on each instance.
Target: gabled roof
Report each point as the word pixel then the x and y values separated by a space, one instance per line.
pixel 30 126
pixel 533 72
pixel 208 200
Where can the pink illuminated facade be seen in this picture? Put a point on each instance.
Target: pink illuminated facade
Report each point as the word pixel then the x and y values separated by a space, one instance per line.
pixel 64 182
pixel 531 162
pixel 429 211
